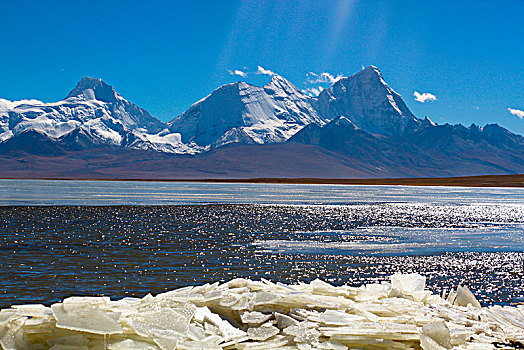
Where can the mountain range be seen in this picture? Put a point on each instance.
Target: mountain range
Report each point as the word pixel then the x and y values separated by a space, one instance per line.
pixel 357 128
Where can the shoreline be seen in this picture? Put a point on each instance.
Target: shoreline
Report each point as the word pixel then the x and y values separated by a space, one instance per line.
pixel 460 181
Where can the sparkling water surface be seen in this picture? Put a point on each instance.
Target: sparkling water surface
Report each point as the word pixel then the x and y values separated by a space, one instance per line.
pixel 62 238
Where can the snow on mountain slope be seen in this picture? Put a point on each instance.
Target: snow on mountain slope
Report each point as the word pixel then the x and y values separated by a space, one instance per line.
pixel 93 114
pixel 130 115
pixel 359 118
pixel 366 100
pixel 241 112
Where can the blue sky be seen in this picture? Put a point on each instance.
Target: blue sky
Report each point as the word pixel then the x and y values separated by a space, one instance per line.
pixel 166 55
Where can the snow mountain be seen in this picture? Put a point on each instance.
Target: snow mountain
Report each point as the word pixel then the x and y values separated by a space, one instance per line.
pixel 358 127
pixel 368 101
pixel 248 114
pixel 92 115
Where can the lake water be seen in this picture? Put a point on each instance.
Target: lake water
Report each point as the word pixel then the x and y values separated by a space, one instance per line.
pixel 62 238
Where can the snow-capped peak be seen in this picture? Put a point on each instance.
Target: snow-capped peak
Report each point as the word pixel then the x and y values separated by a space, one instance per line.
pixel 92 114
pixel 278 82
pixel 369 74
pixel 94 89
pixel 370 70
pixel 267 114
pixel 369 103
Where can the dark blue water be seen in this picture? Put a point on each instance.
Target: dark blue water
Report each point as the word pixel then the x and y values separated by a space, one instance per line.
pixel 90 238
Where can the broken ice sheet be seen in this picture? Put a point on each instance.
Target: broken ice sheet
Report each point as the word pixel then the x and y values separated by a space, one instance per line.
pixel 265 331
pixel 210 343
pixel 412 282
pixel 84 317
pixel 226 329
pixel 244 314
pixel 33 310
pixel 304 332
pixel 130 344
pixel 439 332
pixel 262 298
pixel 335 317
pixel 465 297
pixel 71 340
pixel 284 321
pixel 147 323
pixel 12 336
pixel 254 317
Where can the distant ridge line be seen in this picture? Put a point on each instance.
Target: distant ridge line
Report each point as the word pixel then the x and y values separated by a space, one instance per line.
pixel 516 180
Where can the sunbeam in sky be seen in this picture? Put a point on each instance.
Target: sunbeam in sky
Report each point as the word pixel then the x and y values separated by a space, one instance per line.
pixel 167 55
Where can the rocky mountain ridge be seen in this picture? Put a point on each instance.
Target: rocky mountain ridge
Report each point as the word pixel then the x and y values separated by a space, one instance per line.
pixel 359 117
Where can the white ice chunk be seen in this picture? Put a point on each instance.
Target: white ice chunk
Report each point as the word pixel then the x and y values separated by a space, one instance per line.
pixel 201 313
pixel 254 317
pixel 266 331
pixel 226 329
pixel 427 343
pixel 265 298
pixel 149 323
pixel 335 317
pixel 209 343
pixel 304 332
pixel 284 321
pixel 439 332
pixel 130 344
pixel 412 282
pixel 33 310
pixel 85 318
pixel 70 340
pixel 465 297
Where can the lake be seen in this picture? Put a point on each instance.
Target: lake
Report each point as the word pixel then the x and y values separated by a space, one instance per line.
pixel 122 238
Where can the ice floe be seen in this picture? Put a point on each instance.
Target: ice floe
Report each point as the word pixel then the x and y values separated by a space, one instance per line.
pixel 246 314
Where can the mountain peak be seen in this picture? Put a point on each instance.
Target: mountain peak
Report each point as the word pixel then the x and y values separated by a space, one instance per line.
pixel 279 79
pixel 94 89
pixel 371 68
pixel 368 101
pixel 369 73
pixel 279 83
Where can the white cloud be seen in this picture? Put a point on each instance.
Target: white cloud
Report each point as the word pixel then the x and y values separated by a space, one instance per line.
pixel 238 72
pixel 313 91
pixel 261 70
pixel 6 105
pixel 321 78
pixel 517 112
pixel 424 97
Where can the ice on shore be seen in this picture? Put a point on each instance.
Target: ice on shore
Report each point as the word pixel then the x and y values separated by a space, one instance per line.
pixel 245 314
